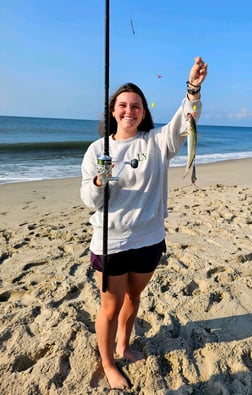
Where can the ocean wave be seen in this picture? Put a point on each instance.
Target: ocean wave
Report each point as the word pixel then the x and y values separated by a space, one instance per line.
pixel 45 146
pixel 64 169
pixel 180 160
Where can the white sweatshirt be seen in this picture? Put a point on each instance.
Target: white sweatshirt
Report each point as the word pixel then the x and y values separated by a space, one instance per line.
pixel 138 201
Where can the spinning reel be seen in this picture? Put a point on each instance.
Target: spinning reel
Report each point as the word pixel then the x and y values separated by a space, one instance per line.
pixel 105 165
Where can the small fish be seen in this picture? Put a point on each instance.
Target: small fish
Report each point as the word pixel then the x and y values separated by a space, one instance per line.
pixel 191 133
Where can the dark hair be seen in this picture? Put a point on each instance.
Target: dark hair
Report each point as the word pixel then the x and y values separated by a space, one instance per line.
pixel 146 123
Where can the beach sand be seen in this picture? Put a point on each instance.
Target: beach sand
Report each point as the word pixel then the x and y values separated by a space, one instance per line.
pixel 195 319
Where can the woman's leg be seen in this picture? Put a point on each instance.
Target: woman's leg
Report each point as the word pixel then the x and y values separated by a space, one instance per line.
pixel 135 285
pixel 106 327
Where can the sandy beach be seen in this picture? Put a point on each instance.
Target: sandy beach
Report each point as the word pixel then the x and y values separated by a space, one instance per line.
pixel 195 319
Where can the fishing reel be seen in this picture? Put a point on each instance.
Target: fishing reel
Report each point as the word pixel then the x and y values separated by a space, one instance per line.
pixel 105 165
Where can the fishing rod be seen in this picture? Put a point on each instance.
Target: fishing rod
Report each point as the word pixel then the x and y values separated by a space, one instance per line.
pixel 104 162
pixel 106 158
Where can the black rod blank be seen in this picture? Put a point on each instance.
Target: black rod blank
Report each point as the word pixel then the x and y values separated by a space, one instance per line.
pixel 106 148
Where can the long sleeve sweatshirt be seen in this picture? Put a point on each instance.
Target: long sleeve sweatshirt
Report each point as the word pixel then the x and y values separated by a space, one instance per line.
pixel 138 201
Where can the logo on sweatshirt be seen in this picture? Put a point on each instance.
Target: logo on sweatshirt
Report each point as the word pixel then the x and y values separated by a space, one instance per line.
pixel 141 157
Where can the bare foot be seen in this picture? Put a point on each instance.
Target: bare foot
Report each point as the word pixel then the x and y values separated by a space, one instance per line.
pixel 115 378
pixel 132 355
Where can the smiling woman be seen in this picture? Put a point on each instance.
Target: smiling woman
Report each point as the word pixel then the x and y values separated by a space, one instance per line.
pixel 136 211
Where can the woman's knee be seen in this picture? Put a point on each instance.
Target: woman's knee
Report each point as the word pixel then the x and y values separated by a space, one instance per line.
pixel 111 310
pixel 133 297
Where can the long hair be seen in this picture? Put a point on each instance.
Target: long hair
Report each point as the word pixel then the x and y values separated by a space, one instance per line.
pixel 146 123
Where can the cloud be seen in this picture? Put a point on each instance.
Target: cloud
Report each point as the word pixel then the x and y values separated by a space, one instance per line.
pixel 242 114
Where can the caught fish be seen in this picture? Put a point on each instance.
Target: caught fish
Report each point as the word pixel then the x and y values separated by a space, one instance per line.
pixel 191 133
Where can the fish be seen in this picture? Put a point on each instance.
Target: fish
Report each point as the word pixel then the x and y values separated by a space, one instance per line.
pixel 191 133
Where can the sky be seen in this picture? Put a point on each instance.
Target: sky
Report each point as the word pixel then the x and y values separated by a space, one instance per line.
pixel 52 56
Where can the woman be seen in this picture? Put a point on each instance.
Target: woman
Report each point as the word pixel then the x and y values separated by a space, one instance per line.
pixel 137 208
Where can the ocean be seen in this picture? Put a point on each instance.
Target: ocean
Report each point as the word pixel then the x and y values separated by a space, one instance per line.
pixel 47 148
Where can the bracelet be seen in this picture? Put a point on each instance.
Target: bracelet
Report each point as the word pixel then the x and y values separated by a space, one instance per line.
pixel 189 83
pixel 191 90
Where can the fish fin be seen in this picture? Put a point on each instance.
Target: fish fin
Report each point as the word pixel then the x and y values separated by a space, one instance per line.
pixel 184 134
pixel 188 167
pixel 186 172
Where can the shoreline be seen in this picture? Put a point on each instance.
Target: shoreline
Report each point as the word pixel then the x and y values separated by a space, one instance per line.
pixel 36 198
pixel 171 168
pixel 39 197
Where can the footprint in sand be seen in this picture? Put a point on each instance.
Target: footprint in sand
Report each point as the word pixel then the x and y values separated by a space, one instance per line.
pixel 218 269
pixel 5 296
pixel 247 359
pixel 215 297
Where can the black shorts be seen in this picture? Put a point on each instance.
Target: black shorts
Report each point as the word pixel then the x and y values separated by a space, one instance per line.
pixel 140 260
